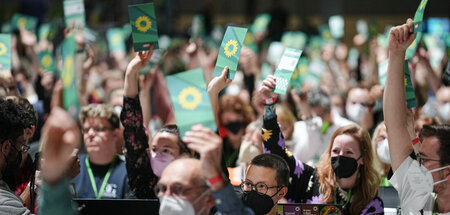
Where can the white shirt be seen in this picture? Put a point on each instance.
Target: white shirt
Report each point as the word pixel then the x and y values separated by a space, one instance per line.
pixel 310 142
pixel 412 202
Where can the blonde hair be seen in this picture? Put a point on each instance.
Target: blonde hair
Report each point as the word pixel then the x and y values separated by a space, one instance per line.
pixel 99 110
pixel 284 115
pixel 366 186
pixel 382 168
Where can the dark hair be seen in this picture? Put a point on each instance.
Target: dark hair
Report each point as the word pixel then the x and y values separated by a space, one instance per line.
pixel 31 113
pixel 173 129
pixel 276 162
pixel 318 98
pixel 12 123
pixel 442 132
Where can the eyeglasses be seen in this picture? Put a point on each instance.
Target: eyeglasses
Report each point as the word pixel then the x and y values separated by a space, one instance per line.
pixel 259 187
pixel 96 129
pixel 423 160
pixel 176 189
pixel 23 147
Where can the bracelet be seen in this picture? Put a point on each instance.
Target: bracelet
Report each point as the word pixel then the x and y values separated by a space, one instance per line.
pixel 215 180
pixel 415 141
pixel 270 101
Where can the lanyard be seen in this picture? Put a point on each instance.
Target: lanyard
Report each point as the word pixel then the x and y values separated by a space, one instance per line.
pixel 349 196
pixel 435 205
pixel 98 195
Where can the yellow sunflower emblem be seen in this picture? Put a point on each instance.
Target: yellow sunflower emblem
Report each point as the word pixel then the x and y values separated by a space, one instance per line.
pixel 22 22
pixel 46 61
pixel 266 134
pixel 406 81
pixel 68 72
pixel 143 23
pixel 2 49
pixel 194 102
pixel 228 52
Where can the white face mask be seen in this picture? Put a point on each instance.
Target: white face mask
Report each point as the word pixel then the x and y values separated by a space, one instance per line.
pixel 444 112
pixel 383 152
pixel 420 178
pixel 175 205
pixel 356 112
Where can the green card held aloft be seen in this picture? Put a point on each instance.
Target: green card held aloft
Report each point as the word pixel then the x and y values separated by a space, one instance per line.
pixel 295 40
pixel 190 100
pixel 5 51
pixel 285 69
pixel 418 17
pixel 229 51
pixel 260 24
pixel 74 13
pixel 250 42
pixel 20 20
pixel 68 77
pixel 143 26
pixel 116 41
pixel 300 73
pixel 410 96
pixel 46 61
pixel 412 48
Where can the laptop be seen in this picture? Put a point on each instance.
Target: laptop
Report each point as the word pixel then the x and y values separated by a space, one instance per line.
pixel 309 209
pixel 118 206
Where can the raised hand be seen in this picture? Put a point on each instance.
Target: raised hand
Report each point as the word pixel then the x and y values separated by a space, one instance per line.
pixel 400 37
pixel 28 38
pixel 140 61
pixel 218 83
pixel 266 89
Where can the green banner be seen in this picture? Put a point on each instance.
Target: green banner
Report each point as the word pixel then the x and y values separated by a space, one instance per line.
pixel 74 13
pixel 116 42
pixel 229 51
pixel 47 61
pixel 5 51
pixel 21 20
pixel 68 76
pixel 143 26
pixel 190 100
pixel 418 17
pixel 285 69
pixel 410 96
pixel 261 23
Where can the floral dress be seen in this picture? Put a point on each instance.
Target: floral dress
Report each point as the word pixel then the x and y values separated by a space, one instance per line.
pixel 141 178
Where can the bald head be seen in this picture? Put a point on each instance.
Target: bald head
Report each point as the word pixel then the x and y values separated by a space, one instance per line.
pixel 183 170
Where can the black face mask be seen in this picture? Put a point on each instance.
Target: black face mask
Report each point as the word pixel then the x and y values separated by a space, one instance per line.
pixel 344 167
pixel 234 127
pixel 260 204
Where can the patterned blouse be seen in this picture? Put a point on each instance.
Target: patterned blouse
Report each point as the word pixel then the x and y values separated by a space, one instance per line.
pixel 304 184
pixel 141 178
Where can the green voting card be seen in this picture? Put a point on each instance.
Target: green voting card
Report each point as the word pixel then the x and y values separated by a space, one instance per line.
pixel 25 21
pixel 143 26
pixel 285 69
pixel 229 51
pixel 410 96
pixel 336 24
pixel 412 48
pixel 74 13
pixel 295 40
pixel 260 24
pixel 68 77
pixel 47 61
pixel 250 42
pixel 418 17
pixel 190 100
pixel 5 51
pixel 116 40
pixel 300 73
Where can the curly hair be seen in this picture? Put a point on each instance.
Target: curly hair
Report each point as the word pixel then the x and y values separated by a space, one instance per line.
pixel 100 110
pixel 366 187
pixel 236 105
pixel 12 123
pixel 31 113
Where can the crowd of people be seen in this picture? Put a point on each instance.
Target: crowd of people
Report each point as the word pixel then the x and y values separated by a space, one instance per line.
pixel 334 140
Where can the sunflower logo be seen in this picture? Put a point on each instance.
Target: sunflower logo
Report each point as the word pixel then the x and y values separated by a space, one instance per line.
pixel 2 49
pixel 406 81
pixel 266 134
pixel 143 23
pixel 22 22
pixel 68 72
pixel 422 4
pixel 228 52
pixel 189 98
pixel 46 61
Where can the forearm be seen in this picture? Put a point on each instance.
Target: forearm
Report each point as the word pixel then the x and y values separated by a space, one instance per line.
pixel 130 86
pixel 214 98
pixel 433 80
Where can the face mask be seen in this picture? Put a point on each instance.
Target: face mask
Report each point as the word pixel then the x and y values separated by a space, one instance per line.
pixel 159 161
pixel 344 167
pixel 118 109
pixel 260 204
pixel 175 205
pixel 356 112
pixel 444 112
pixel 420 178
pixel 383 152
pixel 234 127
